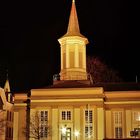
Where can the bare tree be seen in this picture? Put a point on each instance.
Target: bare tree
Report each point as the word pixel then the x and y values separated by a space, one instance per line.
pixel 100 72
pixel 39 127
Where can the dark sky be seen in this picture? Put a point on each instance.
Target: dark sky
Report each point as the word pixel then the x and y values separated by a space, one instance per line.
pixel 29 31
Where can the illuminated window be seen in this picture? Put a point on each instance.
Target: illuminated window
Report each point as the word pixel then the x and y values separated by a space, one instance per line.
pixel 63 115
pixel 64 60
pixel 43 124
pixel 88 116
pixel 118 132
pixel 66 115
pixel 72 59
pixel 136 116
pixel 80 59
pixel 88 132
pixel 117 117
pixel 89 124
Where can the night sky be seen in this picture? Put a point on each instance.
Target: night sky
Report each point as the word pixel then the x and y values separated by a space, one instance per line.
pixel 29 31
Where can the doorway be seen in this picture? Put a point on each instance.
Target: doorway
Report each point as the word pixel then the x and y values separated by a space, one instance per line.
pixel 66 135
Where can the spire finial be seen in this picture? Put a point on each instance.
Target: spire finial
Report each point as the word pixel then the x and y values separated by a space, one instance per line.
pixel 7 85
pixel 7 73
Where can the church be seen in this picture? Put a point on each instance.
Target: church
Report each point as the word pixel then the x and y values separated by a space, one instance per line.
pixel 73 108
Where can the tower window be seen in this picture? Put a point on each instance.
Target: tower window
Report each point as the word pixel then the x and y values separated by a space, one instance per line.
pixel 72 59
pixel 80 60
pixel 64 60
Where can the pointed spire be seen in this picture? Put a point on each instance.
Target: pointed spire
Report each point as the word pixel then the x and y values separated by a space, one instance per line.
pixel 73 26
pixel 7 85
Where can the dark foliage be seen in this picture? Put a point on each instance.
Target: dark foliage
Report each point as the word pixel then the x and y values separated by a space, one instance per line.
pixel 100 72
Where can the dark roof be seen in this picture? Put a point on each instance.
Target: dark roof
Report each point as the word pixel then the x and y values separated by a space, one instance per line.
pixel 71 84
pixel 119 86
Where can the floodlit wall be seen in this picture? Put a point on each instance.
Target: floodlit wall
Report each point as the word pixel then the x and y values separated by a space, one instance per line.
pixel 122 113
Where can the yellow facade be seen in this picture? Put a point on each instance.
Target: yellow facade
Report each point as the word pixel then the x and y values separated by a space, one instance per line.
pixel 128 105
pixel 81 113
pixel 76 100
pixel 104 106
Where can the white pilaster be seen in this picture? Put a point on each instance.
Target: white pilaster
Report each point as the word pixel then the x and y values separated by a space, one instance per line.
pixel 77 122
pixel 100 124
pixel 84 57
pixel 67 56
pixel 108 126
pixel 62 57
pixel 128 123
pixel 76 56
pixel 55 130
pixel 15 126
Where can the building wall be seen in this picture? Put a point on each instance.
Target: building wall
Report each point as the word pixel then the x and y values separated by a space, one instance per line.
pixel 114 114
pixel 6 117
pixel 100 124
pixel 108 124
pixel 55 129
pixel 129 122
pixel 15 126
pixel 77 122
pixel 19 132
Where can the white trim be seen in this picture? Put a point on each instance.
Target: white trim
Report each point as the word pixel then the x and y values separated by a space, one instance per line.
pixel 66 100
pixel 123 102
pixel 20 104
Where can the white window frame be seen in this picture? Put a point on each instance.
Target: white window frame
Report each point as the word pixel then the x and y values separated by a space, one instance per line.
pixel 44 122
pixel 66 115
pixel 136 116
pixel 118 123
pixel 89 124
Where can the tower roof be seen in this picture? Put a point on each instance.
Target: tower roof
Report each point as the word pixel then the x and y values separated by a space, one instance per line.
pixel 73 25
pixel 7 85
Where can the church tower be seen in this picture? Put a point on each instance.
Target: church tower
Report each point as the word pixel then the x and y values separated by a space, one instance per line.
pixel 7 90
pixel 73 50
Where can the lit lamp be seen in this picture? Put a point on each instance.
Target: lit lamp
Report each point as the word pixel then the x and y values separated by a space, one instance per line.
pixel 89 136
pixel 64 130
pixel 76 134
pixel 136 131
